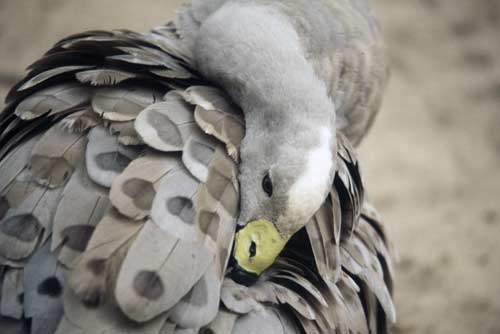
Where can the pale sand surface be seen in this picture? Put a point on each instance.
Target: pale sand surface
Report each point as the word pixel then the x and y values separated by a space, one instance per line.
pixel 431 162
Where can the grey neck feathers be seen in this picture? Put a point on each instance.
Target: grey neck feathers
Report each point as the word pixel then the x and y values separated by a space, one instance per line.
pixel 254 52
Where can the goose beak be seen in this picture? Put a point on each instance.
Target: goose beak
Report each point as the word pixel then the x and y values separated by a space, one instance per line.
pixel 256 247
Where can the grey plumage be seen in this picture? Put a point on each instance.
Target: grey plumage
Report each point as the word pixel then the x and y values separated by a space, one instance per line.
pixel 124 172
pixel 43 281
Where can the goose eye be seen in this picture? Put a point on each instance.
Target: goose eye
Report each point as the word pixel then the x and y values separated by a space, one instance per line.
pixel 267 185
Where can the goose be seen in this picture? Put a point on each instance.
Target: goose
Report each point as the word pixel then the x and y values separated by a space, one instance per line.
pixel 198 178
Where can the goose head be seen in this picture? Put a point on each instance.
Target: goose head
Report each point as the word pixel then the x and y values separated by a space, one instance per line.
pixel 288 152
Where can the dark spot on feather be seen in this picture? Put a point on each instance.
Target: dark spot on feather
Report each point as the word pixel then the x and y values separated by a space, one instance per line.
pixel 96 266
pixel 22 227
pixel 165 128
pixel 209 224
pixel 181 207
pixel 113 161
pixel 141 192
pixel 148 284
pixel 203 153
pixel 77 237
pixel 50 287
pixel 4 207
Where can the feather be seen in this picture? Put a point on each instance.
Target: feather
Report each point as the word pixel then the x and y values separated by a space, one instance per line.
pixel 11 304
pixel 372 239
pixel 177 73
pixel 20 131
pixel 49 74
pixel 349 199
pixel 357 259
pixel 166 125
pixel 336 316
pixel 105 157
pixel 297 302
pixel 226 127
pixel 223 322
pixel 337 215
pixel 217 116
pixel 125 131
pixel 222 182
pixel 326 251
pixel 200 306
pixel 133 191
pixel 80 121
pixel 140 56
pixel 55 155
pixel 102 257
pixel 43 289
pixel 22 227
pixel 168 328
pixel 103 319
pixel 82 206
pixel 308 326
pixel 217 206
pixel 20 188
pixel 157 272
pixel 173 207
pixel 52 100
pixel 268 320
pixel 153 57
pixel 15 162
pixel 239 299
pixel 123 103
pixel 103 77
pixel 210 98
pixel 170 43
pixel 197 155
pixel 302 282
pixel 353 305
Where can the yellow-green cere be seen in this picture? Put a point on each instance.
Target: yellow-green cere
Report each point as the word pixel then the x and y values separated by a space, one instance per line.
pixel 257 245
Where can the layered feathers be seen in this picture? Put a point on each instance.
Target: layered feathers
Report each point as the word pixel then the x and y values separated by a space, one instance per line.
pixel 119 197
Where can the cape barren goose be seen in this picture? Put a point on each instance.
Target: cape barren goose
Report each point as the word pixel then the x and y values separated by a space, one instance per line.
pixel 199 178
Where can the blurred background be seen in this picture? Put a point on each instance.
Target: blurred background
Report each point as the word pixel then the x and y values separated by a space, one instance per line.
pixel 431 161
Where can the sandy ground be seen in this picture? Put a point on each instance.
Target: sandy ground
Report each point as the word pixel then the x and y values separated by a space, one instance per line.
pixel 431 162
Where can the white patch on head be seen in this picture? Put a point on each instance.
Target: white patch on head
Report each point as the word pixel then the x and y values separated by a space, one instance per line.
pixel 308 192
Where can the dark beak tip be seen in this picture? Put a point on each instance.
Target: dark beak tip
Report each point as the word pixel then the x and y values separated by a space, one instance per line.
pixel 243 277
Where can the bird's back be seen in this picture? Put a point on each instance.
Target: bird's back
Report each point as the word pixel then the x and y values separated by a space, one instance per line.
pixel 342 41
pixel 119 195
